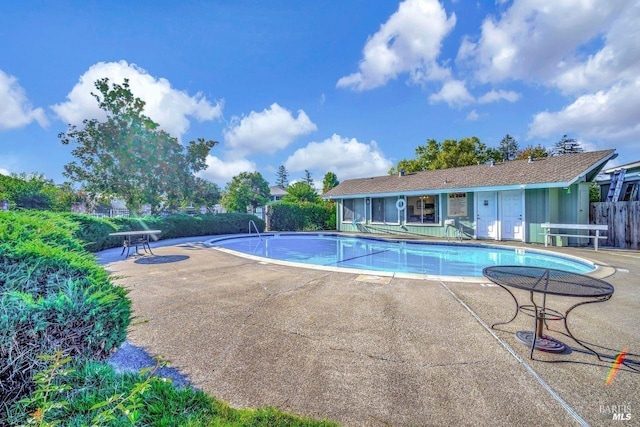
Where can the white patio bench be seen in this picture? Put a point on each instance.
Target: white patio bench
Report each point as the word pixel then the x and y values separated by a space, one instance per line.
pixel 589 227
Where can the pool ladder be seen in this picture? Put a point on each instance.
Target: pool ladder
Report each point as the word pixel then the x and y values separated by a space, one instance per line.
pixel 457 231
pixel 252 222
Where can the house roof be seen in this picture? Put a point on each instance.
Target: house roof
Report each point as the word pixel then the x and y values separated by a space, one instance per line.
pixel 554 171
pixel 277 191
pixel 628 166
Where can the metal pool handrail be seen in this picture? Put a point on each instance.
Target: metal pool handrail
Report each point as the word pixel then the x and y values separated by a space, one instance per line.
pixel 254 226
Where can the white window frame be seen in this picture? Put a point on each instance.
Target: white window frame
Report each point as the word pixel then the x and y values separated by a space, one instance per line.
pixel 387 200
pixel 358 217
pixel 419 203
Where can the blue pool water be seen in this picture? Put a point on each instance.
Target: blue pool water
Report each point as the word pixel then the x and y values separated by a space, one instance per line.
pixel 437 259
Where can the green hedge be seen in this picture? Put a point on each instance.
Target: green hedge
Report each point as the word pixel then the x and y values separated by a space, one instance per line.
pixel 302 216
pixel 94 232
pixel 53 296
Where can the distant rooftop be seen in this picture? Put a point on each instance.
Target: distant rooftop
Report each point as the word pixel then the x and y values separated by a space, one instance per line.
pixel 277 191
pixel 633 165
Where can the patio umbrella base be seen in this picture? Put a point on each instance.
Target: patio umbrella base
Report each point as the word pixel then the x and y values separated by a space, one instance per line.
pixel 544 343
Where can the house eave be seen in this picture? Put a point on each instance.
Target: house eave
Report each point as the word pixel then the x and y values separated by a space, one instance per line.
pixel 592 173
pixel 457 190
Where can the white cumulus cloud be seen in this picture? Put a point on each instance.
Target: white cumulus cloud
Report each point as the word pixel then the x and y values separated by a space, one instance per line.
pixel 535 40
pixel 222 171
pixel 172 109
pixel 454 93
pixel 497 95
pixel 409 42
pixel 15 109
pixel 267 131
pixel 473 116
pixel 585 49
pixel 617 59
pixel 346 157
pixel 607 114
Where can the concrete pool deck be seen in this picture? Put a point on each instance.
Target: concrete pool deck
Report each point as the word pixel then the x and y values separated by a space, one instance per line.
pixel 358 350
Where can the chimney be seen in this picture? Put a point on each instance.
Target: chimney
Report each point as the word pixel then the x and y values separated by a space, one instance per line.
pixel 493 163
pixel 401 172
pixel 530 159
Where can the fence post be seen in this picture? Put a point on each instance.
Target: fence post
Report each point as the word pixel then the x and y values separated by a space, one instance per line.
pixel 79 207
pixel 267 218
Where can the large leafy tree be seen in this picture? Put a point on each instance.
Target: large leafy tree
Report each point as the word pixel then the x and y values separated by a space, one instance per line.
pixel 246 189
pixel 463 152
pixel 425 156
pixel 206 193
pixel 129 157
pixel 533 152
pixel 448 154
pixel 301 192
pixel 27 191
pixel 34 191
pixel 330 180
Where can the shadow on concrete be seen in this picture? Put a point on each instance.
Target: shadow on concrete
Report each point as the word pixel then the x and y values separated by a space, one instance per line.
pixel 130 359
pixel 161 259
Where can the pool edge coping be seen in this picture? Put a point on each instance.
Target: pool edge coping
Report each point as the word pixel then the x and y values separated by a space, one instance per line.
pixel 600 270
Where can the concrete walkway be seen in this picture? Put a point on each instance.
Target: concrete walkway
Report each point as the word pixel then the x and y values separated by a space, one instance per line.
pixel 370 351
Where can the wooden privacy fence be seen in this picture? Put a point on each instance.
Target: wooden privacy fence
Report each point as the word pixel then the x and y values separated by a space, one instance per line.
pixel 623 219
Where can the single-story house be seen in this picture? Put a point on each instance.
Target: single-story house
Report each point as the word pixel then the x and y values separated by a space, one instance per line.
pixel 277 193
pixel 503 201
pixel 620 183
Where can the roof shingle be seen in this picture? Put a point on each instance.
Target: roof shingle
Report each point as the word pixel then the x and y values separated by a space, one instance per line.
pixel 548 170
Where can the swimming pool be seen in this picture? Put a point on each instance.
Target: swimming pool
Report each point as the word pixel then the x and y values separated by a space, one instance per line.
pixel 397 256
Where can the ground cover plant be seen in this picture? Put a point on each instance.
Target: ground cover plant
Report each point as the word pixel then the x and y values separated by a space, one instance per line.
pixel 54 297
pixel 92 393
pixel 60 317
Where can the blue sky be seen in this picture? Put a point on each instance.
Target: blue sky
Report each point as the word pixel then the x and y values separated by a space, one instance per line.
pixel 350 87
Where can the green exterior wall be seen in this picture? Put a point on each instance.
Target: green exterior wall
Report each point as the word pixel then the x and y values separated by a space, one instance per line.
pixel 537 210
pixel 555 205
pixel 431 230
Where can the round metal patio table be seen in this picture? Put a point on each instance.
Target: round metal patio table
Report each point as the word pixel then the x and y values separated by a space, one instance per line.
pixel 135 238
pixel 547 281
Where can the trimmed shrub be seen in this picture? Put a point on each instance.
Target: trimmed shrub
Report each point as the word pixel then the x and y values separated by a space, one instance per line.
pixel 302 216
pixel 53 297
pixel 286 216
pixel 180 225
pixel 94 232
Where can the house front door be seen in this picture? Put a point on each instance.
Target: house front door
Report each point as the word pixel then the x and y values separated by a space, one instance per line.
pixel 486 215
pixel 511 215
